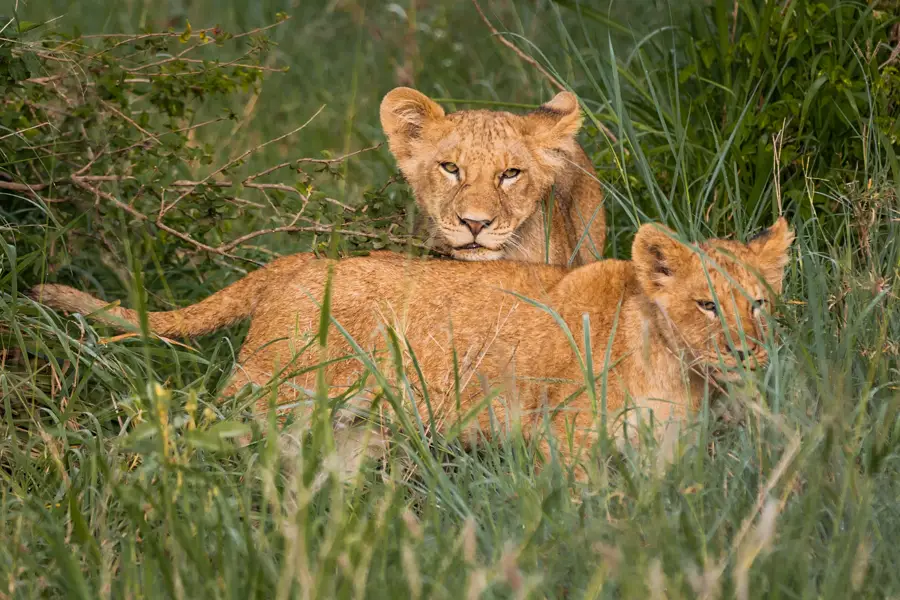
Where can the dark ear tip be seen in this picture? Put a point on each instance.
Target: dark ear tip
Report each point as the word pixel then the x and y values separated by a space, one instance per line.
pixel 779 229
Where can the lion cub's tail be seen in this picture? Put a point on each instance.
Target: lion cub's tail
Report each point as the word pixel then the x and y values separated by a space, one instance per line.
pixel 234 303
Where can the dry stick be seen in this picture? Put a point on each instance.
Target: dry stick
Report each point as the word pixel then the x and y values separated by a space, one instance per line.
pixel 178 56
pixel 84 182
pixel 181 58
pixel 88 165
pixel 130 38
pixel 317 161
pixel 131 121
pixel 80 182
pixel 734 16
pixel 222 249
pixel 553 81
pixel 22 187
pixel 39 125
pixel 46 80
pixel 894 54
pixel 181 183
pixel 515 49
pixel 311 229
pixel 234 63
pixel 163 209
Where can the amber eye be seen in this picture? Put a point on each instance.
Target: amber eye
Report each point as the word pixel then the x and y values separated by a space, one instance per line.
pixel 708 306
pixel 510 174
pixel 450 167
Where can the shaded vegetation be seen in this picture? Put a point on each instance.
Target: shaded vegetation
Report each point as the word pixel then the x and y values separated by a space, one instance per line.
pixel 141 165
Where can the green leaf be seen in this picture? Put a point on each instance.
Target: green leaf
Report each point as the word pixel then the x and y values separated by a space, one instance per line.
pixel 229 429
pixel 184 37
pixel 810 95
pixel 28 26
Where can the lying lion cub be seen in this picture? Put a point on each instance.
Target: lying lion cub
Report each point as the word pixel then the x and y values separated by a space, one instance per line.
pixel 483 179
pixel 679 319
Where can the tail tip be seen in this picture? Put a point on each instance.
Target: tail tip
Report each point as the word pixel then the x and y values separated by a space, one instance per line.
pixel 35 292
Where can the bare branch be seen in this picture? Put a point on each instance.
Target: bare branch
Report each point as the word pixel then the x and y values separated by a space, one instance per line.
pixel 550 78
pixel 129 120
pixel 312 229
pixel 20 131
pixel 553 81
pixel 81 182
pixel 163 209
pixel 318 161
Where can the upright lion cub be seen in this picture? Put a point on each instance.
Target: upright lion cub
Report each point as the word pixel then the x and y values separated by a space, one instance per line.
pixel 484 179
pixel 678 317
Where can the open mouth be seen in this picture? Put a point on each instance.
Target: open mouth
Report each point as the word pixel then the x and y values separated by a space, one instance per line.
pixel 472 246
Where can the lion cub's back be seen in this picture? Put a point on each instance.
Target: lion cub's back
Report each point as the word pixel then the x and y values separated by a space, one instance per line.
pixel 412 294
pixel 390 276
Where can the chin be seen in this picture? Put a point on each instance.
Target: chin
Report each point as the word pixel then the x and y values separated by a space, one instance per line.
pixel 476 254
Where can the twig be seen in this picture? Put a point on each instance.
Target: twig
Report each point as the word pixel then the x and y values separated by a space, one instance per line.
pixel 22 187
pixel 392 179
pixel 223 249
pixel 893 56
pixel 129 120
pixel 177 57
pixel 734 16
pixel 81 182
pixel 312 229
pixel 553 81
pixel 163 208
pixel 46 80
pixel 39 125
pixel 317 161
pixel 181 183
pixel 235 63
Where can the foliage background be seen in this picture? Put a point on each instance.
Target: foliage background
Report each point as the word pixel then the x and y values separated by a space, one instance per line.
pixel 120 477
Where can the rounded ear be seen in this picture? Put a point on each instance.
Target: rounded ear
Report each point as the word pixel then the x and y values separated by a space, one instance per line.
pixel 657 256
pixel 556 123
pixel 771 249
pixel 404 112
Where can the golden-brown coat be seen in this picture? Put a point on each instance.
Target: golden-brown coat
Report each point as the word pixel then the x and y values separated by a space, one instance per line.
pixel 680 318
pixel 484 179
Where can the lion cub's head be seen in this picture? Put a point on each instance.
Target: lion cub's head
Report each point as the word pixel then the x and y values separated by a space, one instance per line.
pixel 715 298
pixel 478 174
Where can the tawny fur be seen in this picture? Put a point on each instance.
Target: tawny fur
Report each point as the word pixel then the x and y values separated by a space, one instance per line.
pixel 482 145
pixel 666 348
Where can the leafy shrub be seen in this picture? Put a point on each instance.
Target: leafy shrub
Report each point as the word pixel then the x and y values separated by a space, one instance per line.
pixel 754 92
pixel 110 136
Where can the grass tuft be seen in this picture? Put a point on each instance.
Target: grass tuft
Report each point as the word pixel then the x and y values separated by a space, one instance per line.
pixel 121 472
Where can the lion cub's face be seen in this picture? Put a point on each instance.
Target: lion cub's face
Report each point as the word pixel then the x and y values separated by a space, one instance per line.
pixel 478 174
pixel 716 301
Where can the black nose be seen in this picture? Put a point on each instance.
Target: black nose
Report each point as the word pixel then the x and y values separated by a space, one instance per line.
pixel 475 226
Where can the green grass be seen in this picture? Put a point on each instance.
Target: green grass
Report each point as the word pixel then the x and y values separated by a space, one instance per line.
pixel 120 475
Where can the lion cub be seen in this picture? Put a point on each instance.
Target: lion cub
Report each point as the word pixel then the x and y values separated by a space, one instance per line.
pixel 678 318
pixel 484 178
